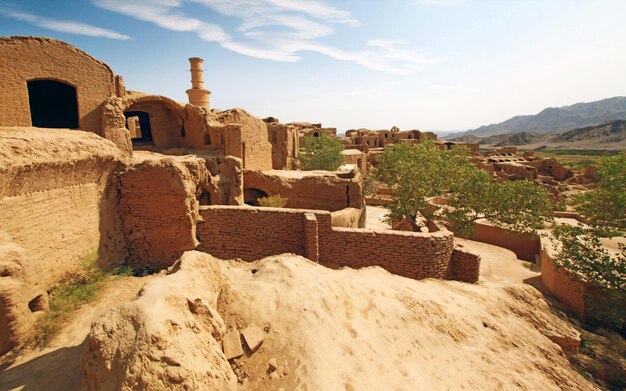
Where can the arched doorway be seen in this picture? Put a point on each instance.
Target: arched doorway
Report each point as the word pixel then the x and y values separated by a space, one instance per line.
pixel 138 124
pixel 53 104
pixel 252 195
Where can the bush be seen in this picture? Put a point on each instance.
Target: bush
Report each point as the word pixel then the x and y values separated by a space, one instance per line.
pixel 274 201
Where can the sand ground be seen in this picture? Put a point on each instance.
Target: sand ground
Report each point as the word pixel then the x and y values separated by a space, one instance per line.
pixel 57 367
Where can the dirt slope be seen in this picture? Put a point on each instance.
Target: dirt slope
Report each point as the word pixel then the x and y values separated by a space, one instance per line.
pixel 348 329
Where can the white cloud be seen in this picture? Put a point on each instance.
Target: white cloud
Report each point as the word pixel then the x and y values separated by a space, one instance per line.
pixel 275 30
pixel 64 26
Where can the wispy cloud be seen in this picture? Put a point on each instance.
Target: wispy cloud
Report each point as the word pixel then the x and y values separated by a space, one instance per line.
pixel 278 30
pixel 64 26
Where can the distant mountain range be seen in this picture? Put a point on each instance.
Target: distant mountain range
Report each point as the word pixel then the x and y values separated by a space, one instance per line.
pixel 556 119
pixel 610 135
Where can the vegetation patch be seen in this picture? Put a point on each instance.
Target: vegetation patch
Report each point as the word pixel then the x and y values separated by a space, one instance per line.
pixel 274 201
pixel 76 288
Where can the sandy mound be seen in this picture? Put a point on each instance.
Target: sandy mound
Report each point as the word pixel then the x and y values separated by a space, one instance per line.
pixel 328 330
pixel 166 339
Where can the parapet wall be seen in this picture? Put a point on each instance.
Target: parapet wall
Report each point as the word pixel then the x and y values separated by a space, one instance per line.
pixel 252 233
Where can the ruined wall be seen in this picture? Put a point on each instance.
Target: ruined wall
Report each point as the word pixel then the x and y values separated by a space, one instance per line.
pixel 159 208
pixel 256 150
pixel 252 233
pixel 27 58
pixel 285 145
pixel 57 208
pixel 324 190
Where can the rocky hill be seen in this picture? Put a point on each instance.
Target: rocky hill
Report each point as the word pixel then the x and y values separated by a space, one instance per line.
pixel 609 135
pixel 557 119
pixel 608 132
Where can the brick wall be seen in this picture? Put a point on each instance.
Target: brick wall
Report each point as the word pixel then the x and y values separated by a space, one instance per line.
pixel 252 233
pixel 158 205
pixel 465 266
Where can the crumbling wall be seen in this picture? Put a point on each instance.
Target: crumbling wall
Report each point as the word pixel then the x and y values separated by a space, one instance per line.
pixel 159 208
pixel 27 58
pixel 256 150
pixel 252 233
pixel 285 145
pixel 324 190
pixel 57 206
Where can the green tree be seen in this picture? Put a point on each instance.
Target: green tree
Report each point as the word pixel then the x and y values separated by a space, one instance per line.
pixel 416 172
pixel 606 204
pixel 520 206
pixel 321 153
pixel 579 248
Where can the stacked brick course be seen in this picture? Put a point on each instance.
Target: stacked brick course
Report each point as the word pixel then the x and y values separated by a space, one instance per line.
pixel 465 265
pixel 252 233
pixel 158 205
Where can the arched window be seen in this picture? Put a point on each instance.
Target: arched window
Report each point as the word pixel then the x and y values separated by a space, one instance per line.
pixel 207 139
pixel 53 104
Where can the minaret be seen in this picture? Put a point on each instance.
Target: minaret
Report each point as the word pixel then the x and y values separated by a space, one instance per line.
pixel 198 95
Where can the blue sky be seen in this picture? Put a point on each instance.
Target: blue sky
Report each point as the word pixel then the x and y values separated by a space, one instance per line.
pixel 416 64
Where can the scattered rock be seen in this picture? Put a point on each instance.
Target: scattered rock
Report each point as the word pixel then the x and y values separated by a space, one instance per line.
pixel 272 364
pixel 253 336
pixel 231 345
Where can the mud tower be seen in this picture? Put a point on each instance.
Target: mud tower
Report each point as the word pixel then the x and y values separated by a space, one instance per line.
pixel 198 95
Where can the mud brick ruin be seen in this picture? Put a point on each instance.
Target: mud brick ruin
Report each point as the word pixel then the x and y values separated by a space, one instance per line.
pixel 87 167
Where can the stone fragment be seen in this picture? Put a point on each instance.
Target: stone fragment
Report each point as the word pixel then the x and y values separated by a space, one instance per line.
pixel 253 336
pixel 273 364
pixel 231 345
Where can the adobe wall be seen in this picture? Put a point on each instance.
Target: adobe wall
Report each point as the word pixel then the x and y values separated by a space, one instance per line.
pixel 256 150
pixel 57 206
pixel 324 190
pixel 251 233
pixel 592 303
pixel 285 145
pixel 26 58
pixel 524 246
pixel 560 282
pixel 159 207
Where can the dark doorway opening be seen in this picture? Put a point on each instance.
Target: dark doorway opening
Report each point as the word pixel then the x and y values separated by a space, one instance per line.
pixel 138 123
pixel 251 196
pixel 53 104
pixel 204 198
